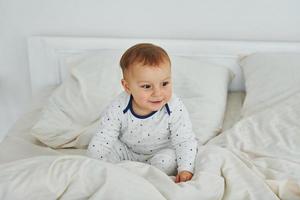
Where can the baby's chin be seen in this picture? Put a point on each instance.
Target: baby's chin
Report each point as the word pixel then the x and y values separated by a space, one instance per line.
pixel 155 106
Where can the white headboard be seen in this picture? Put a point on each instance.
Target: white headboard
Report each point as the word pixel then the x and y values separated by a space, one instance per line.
pixel 45 53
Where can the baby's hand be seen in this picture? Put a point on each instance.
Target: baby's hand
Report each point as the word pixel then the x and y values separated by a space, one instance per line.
pixel 183 176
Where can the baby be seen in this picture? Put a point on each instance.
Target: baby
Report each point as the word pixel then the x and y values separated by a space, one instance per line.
pixel 147 123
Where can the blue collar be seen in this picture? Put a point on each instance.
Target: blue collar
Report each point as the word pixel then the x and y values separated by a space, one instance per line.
pixel 129 107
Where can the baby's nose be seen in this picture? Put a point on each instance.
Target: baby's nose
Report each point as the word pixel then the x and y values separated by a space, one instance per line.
pixel 156 92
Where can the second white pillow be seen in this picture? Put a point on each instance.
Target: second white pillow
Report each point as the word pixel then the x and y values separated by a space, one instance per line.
pixel 269 78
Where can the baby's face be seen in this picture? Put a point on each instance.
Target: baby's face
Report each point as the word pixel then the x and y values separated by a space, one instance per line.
pixel 150 86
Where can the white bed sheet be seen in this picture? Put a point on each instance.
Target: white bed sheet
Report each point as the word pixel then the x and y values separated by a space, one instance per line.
pixel 256 159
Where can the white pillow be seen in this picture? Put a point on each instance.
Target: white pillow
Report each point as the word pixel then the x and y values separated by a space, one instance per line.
pixel 269 78
pixel 203 88
pixel 72 113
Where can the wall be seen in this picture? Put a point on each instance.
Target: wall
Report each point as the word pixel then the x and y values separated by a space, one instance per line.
pixel 199 19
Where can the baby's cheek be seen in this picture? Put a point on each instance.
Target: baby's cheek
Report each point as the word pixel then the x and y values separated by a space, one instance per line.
pixel 168 96
pixel 144 98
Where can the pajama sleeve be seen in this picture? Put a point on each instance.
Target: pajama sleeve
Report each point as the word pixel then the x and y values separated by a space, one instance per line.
pixel 182 137
pixel 107 132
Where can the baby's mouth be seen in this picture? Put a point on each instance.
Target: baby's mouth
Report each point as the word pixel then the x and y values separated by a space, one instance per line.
pixel 156 102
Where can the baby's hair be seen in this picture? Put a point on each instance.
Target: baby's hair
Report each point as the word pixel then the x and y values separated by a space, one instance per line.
pixel 145 53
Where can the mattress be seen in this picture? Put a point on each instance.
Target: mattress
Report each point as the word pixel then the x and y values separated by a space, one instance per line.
pixel 233 109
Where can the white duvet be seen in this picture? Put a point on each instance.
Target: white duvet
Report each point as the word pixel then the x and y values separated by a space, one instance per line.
pixel 259 158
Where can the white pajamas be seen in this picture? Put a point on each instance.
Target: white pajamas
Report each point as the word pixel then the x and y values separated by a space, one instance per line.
pixel 163 138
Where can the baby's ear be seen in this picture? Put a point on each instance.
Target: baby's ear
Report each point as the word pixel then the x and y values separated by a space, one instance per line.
pixel 125 86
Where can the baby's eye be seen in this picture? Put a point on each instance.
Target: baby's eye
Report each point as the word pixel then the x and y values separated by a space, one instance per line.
pixel 146 86
pixel 165 83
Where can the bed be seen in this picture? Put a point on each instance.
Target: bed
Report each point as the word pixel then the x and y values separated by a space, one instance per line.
pixel 243 98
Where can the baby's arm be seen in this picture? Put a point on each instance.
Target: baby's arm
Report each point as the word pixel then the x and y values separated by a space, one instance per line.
pixel 184 142
pixel 106 134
